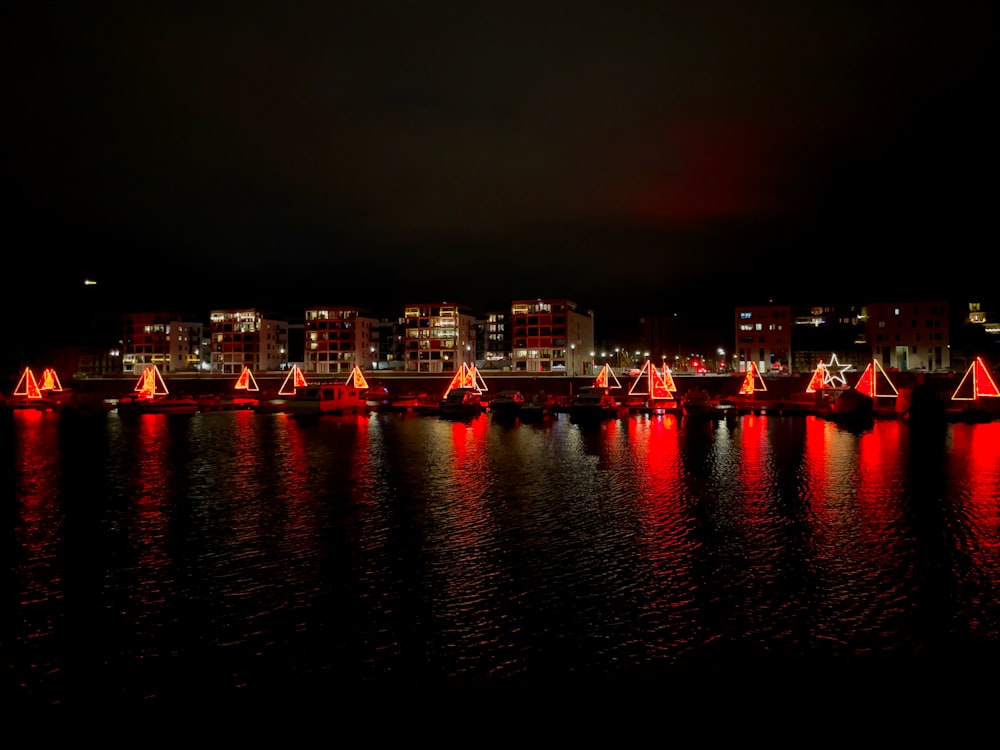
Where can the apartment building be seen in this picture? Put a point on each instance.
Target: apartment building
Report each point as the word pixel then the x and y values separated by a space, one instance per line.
pixel 764 337
pixel 550 335
pixel 899 336
pixel 493 332
pixel 162 339
pixel 338 338
pixel 389 344
pixel 246 338
pixel 440 337
pixel 909 335
pixel 819 331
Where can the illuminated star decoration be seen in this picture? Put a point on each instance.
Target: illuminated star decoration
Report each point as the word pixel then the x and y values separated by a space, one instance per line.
pixel 830 378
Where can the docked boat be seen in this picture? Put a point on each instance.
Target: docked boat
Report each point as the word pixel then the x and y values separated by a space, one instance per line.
pixel 318 399
pixel 28 395
pixel 594 403
pixel 40 403
pixel 848 407
pixel 48 394
pixel 652 392
pixel 697 402
pixel 538 408
pixel 506 404
pixel 379 398
pixel 151 396
pixel 461 402
pixel 276 405
pixel 134 403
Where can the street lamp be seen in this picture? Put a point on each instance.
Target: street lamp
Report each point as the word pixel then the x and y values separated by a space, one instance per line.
pixel 572 360
pixel 374 366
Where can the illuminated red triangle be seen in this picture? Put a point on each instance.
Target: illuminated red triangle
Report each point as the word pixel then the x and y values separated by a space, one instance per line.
pixel 977 382
pixel 357 378
pixel 866 383
pixel 985 384
pixel 669 379
pixel 870 379
pixel 150 383
pixel 466 377
pixel 294 379
pixel 659 388
pixel 651 383
pixel 753 381
pixel 50 381
pixel 606 378
pixel 818 380
pixel 27 385
pixel 246 381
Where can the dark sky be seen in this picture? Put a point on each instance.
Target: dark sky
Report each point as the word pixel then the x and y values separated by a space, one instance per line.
pixel 622 154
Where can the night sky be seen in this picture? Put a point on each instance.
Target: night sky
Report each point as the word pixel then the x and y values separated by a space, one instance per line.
pixel 629 155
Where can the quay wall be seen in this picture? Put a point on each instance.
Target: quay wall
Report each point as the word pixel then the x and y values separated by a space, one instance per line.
pixel 779 387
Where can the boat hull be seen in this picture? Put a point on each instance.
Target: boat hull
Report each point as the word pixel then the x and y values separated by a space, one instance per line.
pixel 462 402
pixel 158 405
pixel 332 398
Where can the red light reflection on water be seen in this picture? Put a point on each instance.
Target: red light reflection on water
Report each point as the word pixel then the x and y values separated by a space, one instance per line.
pixel 294 465
pixel 975 466
pixel 666 541
pixel 466 434
pixel 37 470
pixel 151 491
pixel 654 443
pixel 754 477
pixel 880 524
pixel 814 461
pixel 463 523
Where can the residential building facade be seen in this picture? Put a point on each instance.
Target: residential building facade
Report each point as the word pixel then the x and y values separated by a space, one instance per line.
pixel 246 338
pixel 495 344
pixel 550 335
pixel 909 335
pixel 763 337
pixel 338 338
pixel 388 342
pixel 819 331
pixel 162 339
pixel 440 337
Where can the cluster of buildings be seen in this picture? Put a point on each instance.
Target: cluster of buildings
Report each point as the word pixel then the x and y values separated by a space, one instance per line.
pixel 539 336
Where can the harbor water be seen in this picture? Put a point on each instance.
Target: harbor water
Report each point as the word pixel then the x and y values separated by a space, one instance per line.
pixel 182 558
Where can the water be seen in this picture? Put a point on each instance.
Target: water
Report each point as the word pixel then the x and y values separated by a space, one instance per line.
pixel 161 558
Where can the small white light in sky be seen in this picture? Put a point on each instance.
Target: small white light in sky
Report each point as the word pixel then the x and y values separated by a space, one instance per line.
pixel 89 282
